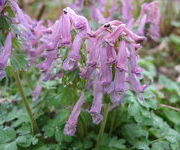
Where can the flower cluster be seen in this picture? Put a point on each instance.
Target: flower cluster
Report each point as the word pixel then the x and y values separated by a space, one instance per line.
pixel 97 9
pixel 111 58
pixel 150 14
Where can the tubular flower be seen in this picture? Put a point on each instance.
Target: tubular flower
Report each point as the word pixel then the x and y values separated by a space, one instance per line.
pixel 1 5
pixel 93 55
pixel 6 52
pixel 65 28
pixel 50 56
pixel 122 57
pixel 150 14
pixel 127 9
pixel 106 74
pixel 70 127
pixel 95 110
pixel 133 61
pixel 79 23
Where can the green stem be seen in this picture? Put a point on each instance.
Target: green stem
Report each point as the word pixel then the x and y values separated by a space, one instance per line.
pixel 33 122
pixel 112 122
pixel 80 128
pixel 29 82
pixel 103 124
pixel 84 124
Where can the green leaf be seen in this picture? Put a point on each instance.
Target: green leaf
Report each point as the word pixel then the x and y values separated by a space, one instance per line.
pixel 87 144
pixel 24 129
pixel 9 10
pixel 4 23
pixel 176 23
pixel 7 135
pixel 175 39
pixel 18 61
pixel 9 146
pixel 160 145
pixel 169 84
pixel 142 145
pixel 14 29
pixel 23 141
pixel 117 143
pixel 49 84
pixel 49 131
pixel 172 116
pixel 58 135
pixel 103 148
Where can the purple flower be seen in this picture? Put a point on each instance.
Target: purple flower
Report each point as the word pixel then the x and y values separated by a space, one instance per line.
pixel 77 5
pixel 135 85
pixel 69 64
pixel 74 53
pixel 105 27
pixel 2 2
pixel 133 61
pixel 70 127
pixel 141 28
pixel 95 110
pixel 122 57
pixel 50 57
pixel 150 14
pixel 111 38
pixel 119 81
pixel 2 74
pixel 154 32
pixel 78 22
pixel 127 9
pixel 96 14
pixel 133 36
pixel 37 52
pixel 111 54
pixel 65 28
pixel 6 52
pixel 20 15
pixel 1 5
pixel 106 74
pixel 92 48
pixel 115 97
pixel 37 91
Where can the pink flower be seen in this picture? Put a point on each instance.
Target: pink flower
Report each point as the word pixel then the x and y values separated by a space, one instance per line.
pixel 127 9
pixel 95 110
pixel 65 28
pixel 122 57
pixel 6 52
pixel 70 127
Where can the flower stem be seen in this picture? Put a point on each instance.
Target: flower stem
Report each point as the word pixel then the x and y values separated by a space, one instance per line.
pixel 33 122
pixel 112 122
pixel 103 124
pixel 29 82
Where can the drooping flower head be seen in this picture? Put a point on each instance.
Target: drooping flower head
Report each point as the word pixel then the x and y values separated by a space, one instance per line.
pixel 70 127
pixel 150 14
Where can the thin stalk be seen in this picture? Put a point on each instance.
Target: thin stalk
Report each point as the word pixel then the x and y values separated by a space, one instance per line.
pixel 84 124
pixel 103 124
pixel 112 122
pixel 33 122
pixel 80 128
